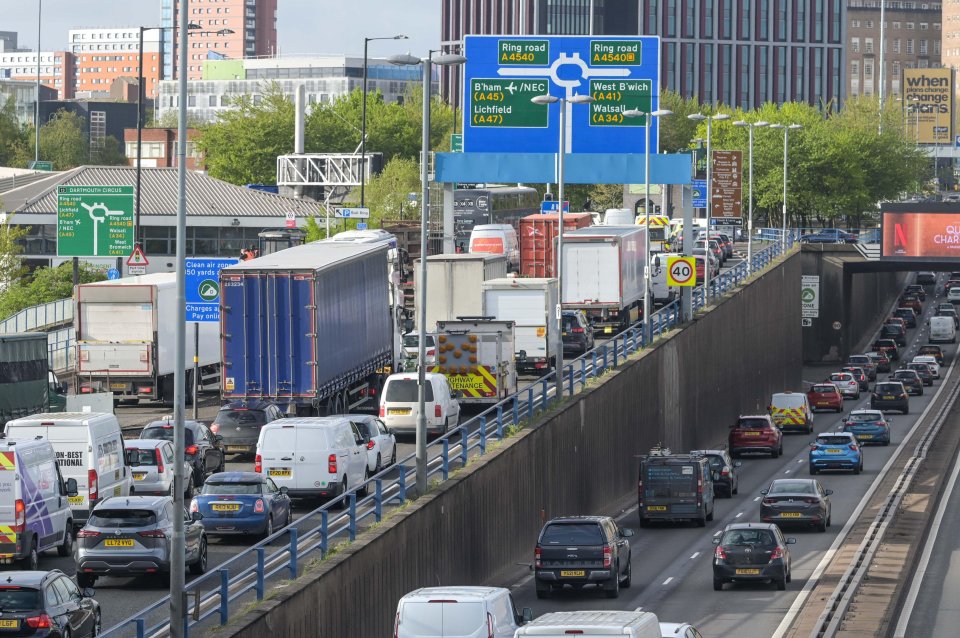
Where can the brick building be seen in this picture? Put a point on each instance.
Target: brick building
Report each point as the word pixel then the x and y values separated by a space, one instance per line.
pixel 160 148
pixel 57 69
pixel 106 55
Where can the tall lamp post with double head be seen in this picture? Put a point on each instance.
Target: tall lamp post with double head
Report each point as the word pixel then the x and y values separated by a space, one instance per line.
pixel 786 142
pixel 750 126
pixel 709 119
pixel 363 116
pixel 558 261
pixel 445 59
pixel 632 113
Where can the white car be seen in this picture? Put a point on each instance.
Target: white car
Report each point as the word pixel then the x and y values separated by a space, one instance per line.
pixel 399 404
pixel 848 385
pixel 411 348
pixel 953 295
pixel 381 442
pixel 931 361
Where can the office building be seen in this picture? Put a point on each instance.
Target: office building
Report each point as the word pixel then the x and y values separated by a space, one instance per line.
pixel 56 69
pixel 160 147
pixel 106 55
pixel 24 96
pixel 8 41
pixel 252 26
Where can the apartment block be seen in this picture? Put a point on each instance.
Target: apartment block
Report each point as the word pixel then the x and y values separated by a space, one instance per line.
pixel 57 69
pixel 104 56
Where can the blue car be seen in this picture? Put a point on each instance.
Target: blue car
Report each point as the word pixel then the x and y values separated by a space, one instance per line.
pixel 242 503
pixel 836 451
pixel 868 426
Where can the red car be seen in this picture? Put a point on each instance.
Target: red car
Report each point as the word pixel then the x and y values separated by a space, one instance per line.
pixel 755 434
pixel 825 396
pixel 911 301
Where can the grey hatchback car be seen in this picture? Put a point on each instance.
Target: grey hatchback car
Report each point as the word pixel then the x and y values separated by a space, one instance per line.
pixel 796 501
pixel 132 536
pixel 751 552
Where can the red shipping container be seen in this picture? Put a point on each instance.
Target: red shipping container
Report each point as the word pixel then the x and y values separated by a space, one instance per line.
pixel 537 245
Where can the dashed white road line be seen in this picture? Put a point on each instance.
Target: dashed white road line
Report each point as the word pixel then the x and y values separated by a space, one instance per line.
pixel 739 514
pixel 787 472
pixel 695 554
pixel 667 581
pixel 757 499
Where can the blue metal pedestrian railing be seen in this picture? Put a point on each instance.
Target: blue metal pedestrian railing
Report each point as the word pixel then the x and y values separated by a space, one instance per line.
pixel 39 318
pixel 318 534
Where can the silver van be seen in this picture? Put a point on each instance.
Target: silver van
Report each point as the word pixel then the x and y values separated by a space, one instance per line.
pixel 463 612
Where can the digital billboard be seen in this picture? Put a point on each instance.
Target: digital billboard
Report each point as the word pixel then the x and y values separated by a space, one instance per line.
pixel 920 232
pixel 928 105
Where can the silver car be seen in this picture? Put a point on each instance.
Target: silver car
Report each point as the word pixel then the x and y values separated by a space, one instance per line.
pixel 151 462
pixel 132 536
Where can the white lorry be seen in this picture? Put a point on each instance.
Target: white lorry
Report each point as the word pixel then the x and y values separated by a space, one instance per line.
pixel 454 285
pixel 531 304
pixel 476 354
pixel 125 339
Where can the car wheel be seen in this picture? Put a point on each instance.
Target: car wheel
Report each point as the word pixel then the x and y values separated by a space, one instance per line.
pixel 197 477
pixel 543 591
pixel 393 457
pixel 200 566
pixel 86 580
pixel 66 548
pixel 858 468
pixel 840 409
pixel 343 490
pixel 717 584
pixel 822 526
pixel 813 471
pixel 268 529
pixel 188 493
pixel 97 625
pixel 702 521
pixel 774 454
pixel 613 590
pixel 644 522
pixel 31 562
pixel 906 410
pixel 789 576
pixel 782 583
pixel 378 466
pixel 628 577
pixel 829 518
pixel 363 491
pixel 887 442
pixel 710 516
pixel 736 490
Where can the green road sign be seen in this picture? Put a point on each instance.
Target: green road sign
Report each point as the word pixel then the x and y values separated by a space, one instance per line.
pixel 41 166
pixel 523 52
pixel 94 221
pixel 505 102
pixel 456 143
pixel 612 97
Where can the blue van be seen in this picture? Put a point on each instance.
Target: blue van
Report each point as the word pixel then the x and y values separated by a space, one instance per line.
pixel 674 487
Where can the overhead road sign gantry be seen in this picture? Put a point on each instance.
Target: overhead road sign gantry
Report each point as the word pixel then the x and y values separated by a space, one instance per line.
pixel 503 73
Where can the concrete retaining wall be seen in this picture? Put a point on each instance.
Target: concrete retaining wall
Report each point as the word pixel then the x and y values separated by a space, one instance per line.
pixel 580 457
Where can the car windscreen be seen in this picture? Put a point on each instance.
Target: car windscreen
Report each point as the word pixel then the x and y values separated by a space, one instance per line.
pixel 108 517
pixel 846 377
pixel 443 618
pixel 891 329
pixel 747 537
pixel 833 440
pixel 405 391
pixel 791 487
pixel 866 417
pixel 829 389
pixel 752 424
pixel 240 418
pixel 929 350
pixel 137 457
pixel 920 368
pixel 905 375
pixel 248 487
pixel 572 534
pixel 165 432
pixel 888 388
pixel 569 323
pixel 20 599
pixel 859 360
pixel 665 480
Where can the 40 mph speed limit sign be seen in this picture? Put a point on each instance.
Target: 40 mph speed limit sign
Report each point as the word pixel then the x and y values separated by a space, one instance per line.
pixel 681 271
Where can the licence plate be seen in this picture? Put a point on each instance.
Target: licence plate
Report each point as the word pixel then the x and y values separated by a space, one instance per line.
pixel 748 572
pixel 118 542
pixel 566 334
pixel 886 398
pixel 118 386
pixel 790 515
pixel 399 411
pixel 75 500
pixel 139 476
pixel 9 624
pixel 236 448
pixel 864 436
pixel 573 573
pixel 225 507
pixel 283 472
pixel 656 508
pixel 834 451
pixel 607 330
pixel 751 434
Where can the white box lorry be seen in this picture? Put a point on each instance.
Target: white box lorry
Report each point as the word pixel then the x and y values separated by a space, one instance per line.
pixel 125 339
pixel 454 285
pixel 603 274
pixel 476 355
pixel 531 304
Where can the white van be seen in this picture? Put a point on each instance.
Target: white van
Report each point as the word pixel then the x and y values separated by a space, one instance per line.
pixel 496 239
pixel 89 447
pixel 618 217
pixel 312 456
pixel 34 507
pixel 461 612
pixel 399 403
pixel 559 624
pixel 942 330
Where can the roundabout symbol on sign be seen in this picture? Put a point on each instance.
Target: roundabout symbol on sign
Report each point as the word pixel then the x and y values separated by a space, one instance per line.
pixel 209 290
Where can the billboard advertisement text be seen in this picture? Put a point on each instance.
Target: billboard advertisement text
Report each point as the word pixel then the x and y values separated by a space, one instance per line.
pixel 921 235
pixel 928 100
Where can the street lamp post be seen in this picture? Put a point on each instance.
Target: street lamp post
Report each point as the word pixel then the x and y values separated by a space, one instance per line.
pixel 699 117
pixel 363 117
pixel 427 63
pixel 36 132
pixel 647 326
pixel 558 260
pixel 750 126
pixel 786 140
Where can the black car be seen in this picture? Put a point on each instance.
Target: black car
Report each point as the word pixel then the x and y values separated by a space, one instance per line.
pixel 896 332
pixel 863 381
pixel 888 347
pixel 926 278
pixel 239 423
pixel 752 552
pixel 916 289
pixel 881 360
pixel 923 371
pixel 724 471
pixel 890 395
pixel 909 316
pixel 203 449
pixel 582 550
pixel 864 362
pixel 47 604
pixel 910 380
pixel 577 333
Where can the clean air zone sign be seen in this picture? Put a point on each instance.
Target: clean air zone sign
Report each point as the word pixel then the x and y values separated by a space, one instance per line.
pixel 810 296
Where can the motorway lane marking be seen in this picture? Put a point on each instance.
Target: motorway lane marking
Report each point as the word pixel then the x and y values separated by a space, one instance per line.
pixel 667 581
pixel 718 532
pixel 786 471
pixel 757 499
pixel 739 514
pixel 811 582
pixel 695 554
pixel 799 460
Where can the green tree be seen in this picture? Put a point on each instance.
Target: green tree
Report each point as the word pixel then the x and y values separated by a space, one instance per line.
pixel 314 230
pixel 64 142
pixel 386 193
pixel 111 154
pixel 45 285
pixel 11 133
pixel 677 130
pixel 604 196
pixel 11 265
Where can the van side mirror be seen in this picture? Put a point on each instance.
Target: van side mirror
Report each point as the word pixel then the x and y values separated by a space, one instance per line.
pixel 526 615
pixel 88 592
pixel 828 492
pixel 284 490
pixel 71 486
pixel 791 541
pixel 764 492
pixel 196 516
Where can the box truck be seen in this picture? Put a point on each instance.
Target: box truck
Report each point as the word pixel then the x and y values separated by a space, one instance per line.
pixel 126 330
pixel 603 274
pixel 531 304
pixel 308 328
pixel 454 285
pixel 476 356
pixel 538 235
pixel 27 384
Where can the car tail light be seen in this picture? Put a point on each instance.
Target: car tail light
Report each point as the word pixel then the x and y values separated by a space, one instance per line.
pixel 39 622
pixel 258 464
pixel 437 411
pixel 853 448
pixel 215 428
pixel 607 556
pixel 538 557
pixel 776 553
pixel 152 533
pixel 640 493
pixel 383 411
pixel 159 460
pixel 87 533
pixel 489 625
pixel 20 516
pixel 370 444
pixel 92 485
pixel 719 554
pixel 767 501
pixel 725 472
pixel 431 352
pixel 258 506
pixel 332 464
pixel 811 500
pixel 191 450
pixel 577 331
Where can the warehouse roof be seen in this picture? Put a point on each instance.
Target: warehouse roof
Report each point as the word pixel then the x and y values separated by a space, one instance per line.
pixel 159 193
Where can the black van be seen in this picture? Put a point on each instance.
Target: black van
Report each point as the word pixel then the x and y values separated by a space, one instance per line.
pixel 674 487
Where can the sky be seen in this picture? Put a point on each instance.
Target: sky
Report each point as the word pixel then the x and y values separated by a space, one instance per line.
pixel 303 26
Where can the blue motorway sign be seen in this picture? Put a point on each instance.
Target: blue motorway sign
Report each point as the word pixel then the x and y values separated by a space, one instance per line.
pixel 554 206
pixel 503 73
pixel 698 188
pixel 202 283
